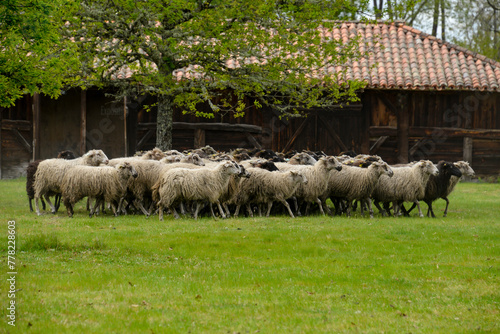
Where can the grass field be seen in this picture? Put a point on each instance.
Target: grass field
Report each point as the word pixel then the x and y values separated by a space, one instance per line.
pixel 255 275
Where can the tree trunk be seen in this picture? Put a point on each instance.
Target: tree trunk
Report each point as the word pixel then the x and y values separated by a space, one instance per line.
pixel 164 123
pixel 443 19
pixel 435 19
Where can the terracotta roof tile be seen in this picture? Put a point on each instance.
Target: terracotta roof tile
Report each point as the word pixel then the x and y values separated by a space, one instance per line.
pixel 402 57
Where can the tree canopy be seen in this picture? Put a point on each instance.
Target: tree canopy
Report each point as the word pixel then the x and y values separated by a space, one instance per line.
pixel 194 51
pixel 33 57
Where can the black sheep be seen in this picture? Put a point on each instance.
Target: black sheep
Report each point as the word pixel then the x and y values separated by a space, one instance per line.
pixel 437 187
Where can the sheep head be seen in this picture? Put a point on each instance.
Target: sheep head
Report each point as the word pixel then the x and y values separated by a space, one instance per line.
pixel 298 177
pixel 95 158
pixel 126 170
pixel 449 168
pixel 427 167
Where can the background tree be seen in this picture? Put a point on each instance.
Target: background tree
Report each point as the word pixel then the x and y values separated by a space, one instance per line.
pixel 267 52
pixel 33 57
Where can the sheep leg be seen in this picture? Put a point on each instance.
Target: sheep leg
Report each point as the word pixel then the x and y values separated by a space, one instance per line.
pixel 139 205
pixel 226 208
pixel 57 202
pixel 320 206
pixel 160 212
pixel 36 206
pixel 176 215
pixel 183 209
pixel 198 206
pixel 419 210
pixel 297 209
pixel 269 206
pixel 212 211
pixel 249 209
pixel 348 209
pixel 379 208
pixel 429 209
pixel 446 208
pixel 287 206
pixel 237 211
pixel 52 208
pixel 220 210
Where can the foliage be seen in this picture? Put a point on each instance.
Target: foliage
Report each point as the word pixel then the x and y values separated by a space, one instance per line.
pixel 191 52
pixel 305 275
pixel 33 57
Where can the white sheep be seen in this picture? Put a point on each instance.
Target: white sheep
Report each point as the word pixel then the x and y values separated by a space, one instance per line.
pixel 102 183
pixel 406 185
pixel 317 181
pixel 203 184
pixel 50 172
pixel 266 187
pixel 356 183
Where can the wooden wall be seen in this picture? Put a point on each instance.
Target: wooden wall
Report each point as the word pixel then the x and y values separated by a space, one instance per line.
pixel 444 125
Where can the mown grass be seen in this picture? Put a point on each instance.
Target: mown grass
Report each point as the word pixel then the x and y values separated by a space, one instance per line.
pixel 278 275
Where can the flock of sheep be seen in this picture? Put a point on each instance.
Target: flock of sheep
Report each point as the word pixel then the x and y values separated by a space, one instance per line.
pixel 191 182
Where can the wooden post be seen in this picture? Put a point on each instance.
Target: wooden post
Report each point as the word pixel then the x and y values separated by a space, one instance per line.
pixel 366 111
pixel 467 154
pixel 199 138
pixel 403 128
pixel 83 122
pixel 36 126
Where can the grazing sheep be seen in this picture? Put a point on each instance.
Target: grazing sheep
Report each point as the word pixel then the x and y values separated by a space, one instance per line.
pixel 50 172
pixel 266 187
pixel 356 183
pixel 102 183
pixel 30 178
pixel 317 177
pixel 406 185
pixel 203 184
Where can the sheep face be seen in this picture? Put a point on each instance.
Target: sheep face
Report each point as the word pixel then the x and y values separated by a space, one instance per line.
pixel 170 159
pixel 243 172
pixel 264 164
pixel 331 163
pixel 126 170
pixel 383 168
pixel 427 167
pixel 195 159
pixel 465 168
pixel 230 167
pixel 297 177
pixel 95 158
pixel 154 154
pixel 449 168
pixel 302 159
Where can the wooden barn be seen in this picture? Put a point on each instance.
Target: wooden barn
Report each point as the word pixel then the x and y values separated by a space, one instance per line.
pixel 424 99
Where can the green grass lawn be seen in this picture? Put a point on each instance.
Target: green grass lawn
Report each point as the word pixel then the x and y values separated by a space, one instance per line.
pixel 255 275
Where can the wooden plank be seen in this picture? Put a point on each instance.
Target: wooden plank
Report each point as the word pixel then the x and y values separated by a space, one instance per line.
pixel 36 126
pixel 199 138
pixel 218 127
pixel 467 153
pixel 21 125
pixel 22 140
pixel 295 135
pixel 379 142
pixel 377 131
pixel 83 121
pixel 333 134
pixel 403 122
pixel 145 139
pixel 253 141
pixel 125 126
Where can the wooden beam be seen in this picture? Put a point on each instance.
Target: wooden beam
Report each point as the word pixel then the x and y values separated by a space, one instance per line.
pixel 83 122
pixel 333 134
pixel 467 153
pixel 125 126
pixel 295 135
pixel 199 138
pixel 144 139
pixel 36 126
pixel 22 140
pixel 253 141
pixel 420 131
pixel 403 123
pixel 380 141
pixel 217 127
